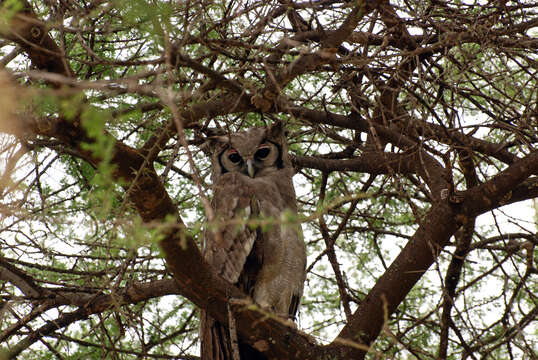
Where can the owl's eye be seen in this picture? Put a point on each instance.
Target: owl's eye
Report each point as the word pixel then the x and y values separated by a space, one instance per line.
pixel 262 152
pixel 235 157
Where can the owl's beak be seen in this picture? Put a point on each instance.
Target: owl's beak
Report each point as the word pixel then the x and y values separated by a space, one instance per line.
pixel 250 168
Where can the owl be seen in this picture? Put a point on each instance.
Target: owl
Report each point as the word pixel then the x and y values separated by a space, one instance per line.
pixel 250 246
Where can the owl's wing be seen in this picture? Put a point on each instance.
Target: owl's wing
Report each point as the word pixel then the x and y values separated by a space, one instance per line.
pixel 231 245
pixel 235 252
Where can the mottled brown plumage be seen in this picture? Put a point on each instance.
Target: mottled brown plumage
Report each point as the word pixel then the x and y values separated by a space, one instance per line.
pixel 252 180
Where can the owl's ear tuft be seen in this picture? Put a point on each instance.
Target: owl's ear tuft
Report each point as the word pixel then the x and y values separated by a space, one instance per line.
pixel 214 143
pixel 276 130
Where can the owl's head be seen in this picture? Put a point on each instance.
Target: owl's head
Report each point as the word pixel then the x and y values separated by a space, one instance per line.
pixel 255 152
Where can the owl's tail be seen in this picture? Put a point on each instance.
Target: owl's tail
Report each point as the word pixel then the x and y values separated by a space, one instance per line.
pixel 216 342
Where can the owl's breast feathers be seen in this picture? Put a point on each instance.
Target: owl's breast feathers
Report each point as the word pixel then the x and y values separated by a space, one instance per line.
pixel 231 239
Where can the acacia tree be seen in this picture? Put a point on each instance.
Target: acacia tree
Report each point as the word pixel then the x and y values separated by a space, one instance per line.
pixel 407 121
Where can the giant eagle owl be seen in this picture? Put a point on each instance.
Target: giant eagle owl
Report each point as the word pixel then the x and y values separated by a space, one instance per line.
pixel 252 180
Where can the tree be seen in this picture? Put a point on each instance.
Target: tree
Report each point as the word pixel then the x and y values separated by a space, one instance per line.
pixel 413 127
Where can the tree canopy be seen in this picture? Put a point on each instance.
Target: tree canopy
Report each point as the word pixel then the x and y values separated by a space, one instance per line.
pixel 413 131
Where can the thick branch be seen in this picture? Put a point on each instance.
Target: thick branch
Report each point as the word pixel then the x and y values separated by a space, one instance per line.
pixel 394 285
pixel 441 222
pixel 463 243
pixel 51 326
pixel 206 290
pixel 20 279
pixel 424 164
pixel 88 304
pixel 368 162
pixel 277 79
pixel 32 35
pixel 499 189
pixel 197 282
